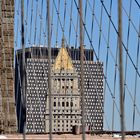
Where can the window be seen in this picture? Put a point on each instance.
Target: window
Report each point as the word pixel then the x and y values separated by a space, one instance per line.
pixel 63 104
pixel 54 104
pixel 67 104
pixel 71 104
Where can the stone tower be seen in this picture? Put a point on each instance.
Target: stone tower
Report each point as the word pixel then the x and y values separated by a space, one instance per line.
pixel 7 106
pixel 66 110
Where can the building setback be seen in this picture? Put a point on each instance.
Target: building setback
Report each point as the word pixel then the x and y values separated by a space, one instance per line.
pixel 66 99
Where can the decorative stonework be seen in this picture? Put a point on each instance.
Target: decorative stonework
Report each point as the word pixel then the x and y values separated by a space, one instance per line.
pixel 65 95
pixel 63 60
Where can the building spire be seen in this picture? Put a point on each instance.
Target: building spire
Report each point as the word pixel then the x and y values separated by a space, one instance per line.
pixel 63 60
pixel 63 42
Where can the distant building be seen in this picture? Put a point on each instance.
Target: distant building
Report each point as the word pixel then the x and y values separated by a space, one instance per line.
pixel 66 98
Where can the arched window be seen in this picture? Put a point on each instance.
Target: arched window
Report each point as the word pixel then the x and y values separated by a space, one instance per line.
pixel 63 104
pixel 67 104
pixel 71 104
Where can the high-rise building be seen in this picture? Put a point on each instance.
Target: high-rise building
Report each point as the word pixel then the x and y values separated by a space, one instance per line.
pixel 7 101
pixel 66 97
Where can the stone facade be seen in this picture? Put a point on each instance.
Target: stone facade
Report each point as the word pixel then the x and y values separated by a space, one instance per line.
pixel 65 102
pixel 66 97
pixel 7 108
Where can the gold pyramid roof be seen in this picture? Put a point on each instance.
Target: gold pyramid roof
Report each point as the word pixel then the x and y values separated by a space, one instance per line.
pixel 63 60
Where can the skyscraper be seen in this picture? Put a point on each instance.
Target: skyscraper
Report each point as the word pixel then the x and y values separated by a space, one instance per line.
pixel 66 97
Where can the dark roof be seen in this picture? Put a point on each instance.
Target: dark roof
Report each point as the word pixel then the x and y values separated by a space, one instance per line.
pixel 42 52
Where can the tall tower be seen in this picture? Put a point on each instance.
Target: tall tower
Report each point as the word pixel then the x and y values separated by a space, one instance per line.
pixel 66 109
pixel 7 106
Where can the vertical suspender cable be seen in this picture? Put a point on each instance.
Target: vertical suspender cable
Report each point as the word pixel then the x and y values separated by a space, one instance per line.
pixel 136 75
pixel 1 108
pixel 23 63
pixel 121 67
pixel 49 71
pixel 82 70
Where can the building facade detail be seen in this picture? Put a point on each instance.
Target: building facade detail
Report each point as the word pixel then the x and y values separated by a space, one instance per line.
pixel 65 94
